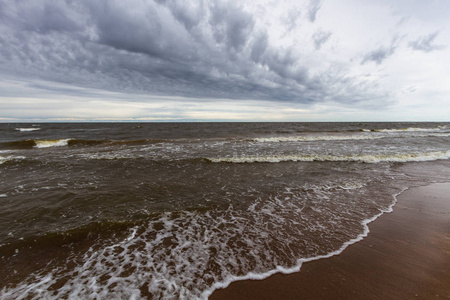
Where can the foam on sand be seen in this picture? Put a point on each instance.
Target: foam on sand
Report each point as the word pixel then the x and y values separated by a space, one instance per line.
pixel 297 267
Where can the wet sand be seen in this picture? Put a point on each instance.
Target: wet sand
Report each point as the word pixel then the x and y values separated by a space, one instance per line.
pixel 405 256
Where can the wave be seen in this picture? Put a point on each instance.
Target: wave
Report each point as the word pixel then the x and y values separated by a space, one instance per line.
pixel 4 159
pixel 77 142
pixel 434 134
pixel 111 156
pixel 317 138
pixel 28 129
pixel 29 144
pixel 408 129
pixel 375 158
pixel 65 237
pixel 23 144
pixel 366 136
pixel 51 143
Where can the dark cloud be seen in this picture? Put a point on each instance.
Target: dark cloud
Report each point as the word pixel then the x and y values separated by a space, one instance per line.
pixel 171 48
pixel 38 17
pixel 381 53
pixel 378 55
pixel 426 43
pixel 259 47
pixel 320 37
pixel 313 8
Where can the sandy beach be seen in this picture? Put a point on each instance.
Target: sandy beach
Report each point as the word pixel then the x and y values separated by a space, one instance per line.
pixel 405 256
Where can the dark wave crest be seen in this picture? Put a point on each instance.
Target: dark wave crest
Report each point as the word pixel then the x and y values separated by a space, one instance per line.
pixel 22 144
pixel 31 143
pixel 52 249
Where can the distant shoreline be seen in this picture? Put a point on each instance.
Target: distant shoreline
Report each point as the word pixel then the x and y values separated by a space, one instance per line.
pixel 208 121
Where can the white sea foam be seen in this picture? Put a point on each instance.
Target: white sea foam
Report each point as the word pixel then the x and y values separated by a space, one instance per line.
pixel 28 129
pixel 312 138
pixel 51 143
pixel 438 134
pixel 408 129
pixel 375 158
pixel 111 156
pixel 317 138
pixel 4 159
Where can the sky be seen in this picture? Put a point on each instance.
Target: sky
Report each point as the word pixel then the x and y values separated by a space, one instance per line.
pixel 168 60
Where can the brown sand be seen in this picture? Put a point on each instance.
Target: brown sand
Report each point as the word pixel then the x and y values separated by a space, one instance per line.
pixel 405 256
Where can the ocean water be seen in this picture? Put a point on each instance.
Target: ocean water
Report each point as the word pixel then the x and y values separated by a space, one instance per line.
pixel 176 210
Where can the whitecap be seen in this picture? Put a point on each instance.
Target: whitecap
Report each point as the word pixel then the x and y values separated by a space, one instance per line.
pixel 51 143
pixel 410 129
pixel 4 159
pixel 28 129
pixel 374 158
pixel 317 138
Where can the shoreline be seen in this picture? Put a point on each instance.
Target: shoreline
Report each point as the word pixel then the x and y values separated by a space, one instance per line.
pixel 406 255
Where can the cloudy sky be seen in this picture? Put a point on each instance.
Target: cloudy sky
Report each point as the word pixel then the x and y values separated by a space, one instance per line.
pixel 168 60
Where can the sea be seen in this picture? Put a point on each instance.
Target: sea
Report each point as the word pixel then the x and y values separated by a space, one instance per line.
pixel 177 210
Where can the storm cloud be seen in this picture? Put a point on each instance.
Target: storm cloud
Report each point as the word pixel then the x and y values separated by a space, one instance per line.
pixel 204 50
pixel 192 49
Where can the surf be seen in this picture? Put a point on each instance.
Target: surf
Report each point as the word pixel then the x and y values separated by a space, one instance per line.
pixel 375 158
pixel 407 129
pixel 10 158
pixel 316 138
pixel 51 143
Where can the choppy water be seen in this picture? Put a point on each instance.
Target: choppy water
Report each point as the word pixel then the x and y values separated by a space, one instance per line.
pixel 175 210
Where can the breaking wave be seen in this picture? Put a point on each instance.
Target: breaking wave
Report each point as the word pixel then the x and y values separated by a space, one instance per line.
pixel 4 159
pixel 375 158
pixel 51 143
pixel 410 129
pixel 28 129
pixel 317 138
pixel 31 143
pixel 367 136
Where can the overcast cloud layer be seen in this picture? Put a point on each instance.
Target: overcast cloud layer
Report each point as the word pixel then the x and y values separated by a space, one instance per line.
pixel 224 60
